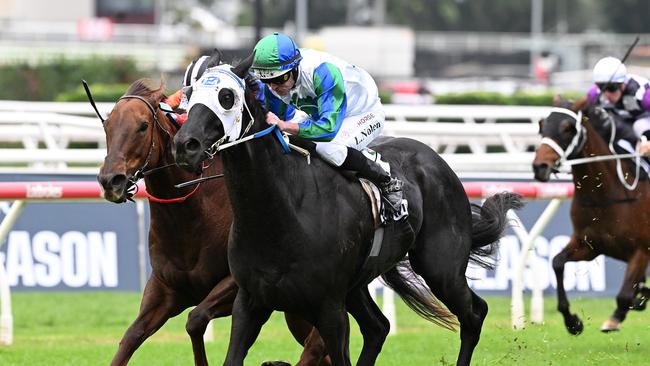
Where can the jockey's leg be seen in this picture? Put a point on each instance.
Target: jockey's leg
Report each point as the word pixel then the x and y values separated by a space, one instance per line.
pixel 348 158
pixel 344 151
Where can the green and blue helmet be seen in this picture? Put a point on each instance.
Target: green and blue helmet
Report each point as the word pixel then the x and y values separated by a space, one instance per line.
pixel 275 55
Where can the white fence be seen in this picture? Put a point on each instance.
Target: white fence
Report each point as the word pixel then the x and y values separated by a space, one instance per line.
pixel 470 138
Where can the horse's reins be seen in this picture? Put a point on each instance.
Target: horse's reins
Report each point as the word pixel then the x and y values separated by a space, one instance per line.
pixel 576 146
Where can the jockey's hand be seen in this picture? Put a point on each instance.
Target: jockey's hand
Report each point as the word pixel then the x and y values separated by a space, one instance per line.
pixel 644 148
pixel 284 126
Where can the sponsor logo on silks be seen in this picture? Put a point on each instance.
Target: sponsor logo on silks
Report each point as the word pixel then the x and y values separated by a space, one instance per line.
pixel 210 81
pixel 365 119
pixel 44 191
pixel 367 132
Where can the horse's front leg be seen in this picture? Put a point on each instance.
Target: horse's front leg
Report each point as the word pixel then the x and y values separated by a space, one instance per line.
pixel 574 251
pixel 217 303
pixel 158 304
pixel 247 321
pixel 636 267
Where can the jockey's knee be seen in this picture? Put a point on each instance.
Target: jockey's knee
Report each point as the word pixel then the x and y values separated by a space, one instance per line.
pixel 332 152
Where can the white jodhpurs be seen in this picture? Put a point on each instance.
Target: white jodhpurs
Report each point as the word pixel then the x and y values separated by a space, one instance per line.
pixel 641 125
pixel 356 132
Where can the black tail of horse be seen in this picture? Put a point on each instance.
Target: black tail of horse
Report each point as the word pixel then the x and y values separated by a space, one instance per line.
pixel 417 295
pixel 488 224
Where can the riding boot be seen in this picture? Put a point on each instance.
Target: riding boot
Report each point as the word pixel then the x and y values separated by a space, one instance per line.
pixel 391 188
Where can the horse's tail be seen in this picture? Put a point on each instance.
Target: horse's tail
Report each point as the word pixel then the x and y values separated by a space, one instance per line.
pixel 488 224
pixel 410 287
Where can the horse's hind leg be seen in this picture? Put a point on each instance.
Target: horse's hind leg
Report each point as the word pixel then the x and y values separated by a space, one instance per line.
pixel 441 259
pixel 217 303
pixel 574 251
pixel 333 324
pixel 158 304
pixel 636 266
pixel 247 321
pixel 315 352
pixel 373 324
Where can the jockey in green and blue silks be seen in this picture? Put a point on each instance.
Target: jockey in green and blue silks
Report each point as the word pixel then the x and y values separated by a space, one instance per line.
pixel 324 99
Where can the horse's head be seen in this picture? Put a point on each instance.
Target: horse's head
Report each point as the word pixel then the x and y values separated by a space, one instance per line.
pixel 215 114
pixel 131 138
pixel 562 137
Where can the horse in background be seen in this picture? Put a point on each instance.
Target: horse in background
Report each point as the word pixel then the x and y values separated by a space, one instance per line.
pixel 188 232
pixel 302 234
pixel 607 217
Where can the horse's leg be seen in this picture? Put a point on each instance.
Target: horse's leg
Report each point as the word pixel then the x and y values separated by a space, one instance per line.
pixel 247 321
pixel 641 294
pixel 636 266
pixel 373 324
pixel 574 251
pixel 217 303
pixel 306 334
pixel 442 266
pixel 158 304
pixel 334 327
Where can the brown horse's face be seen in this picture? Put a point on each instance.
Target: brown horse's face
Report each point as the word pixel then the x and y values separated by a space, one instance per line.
pixel 558 131
pixel 129 137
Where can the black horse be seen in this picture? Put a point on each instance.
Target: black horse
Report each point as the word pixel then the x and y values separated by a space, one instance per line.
pixel 302 233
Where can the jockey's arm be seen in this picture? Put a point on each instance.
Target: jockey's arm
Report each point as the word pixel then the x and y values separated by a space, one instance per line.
pixel 331 102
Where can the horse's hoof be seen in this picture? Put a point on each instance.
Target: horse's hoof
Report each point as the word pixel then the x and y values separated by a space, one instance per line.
pixel 610 325
pixel 574 325
pixel 275 363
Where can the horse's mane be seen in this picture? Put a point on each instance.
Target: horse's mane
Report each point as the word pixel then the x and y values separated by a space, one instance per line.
pixel 148 88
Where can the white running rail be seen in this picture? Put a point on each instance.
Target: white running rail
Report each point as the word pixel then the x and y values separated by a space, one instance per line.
pixel 470 138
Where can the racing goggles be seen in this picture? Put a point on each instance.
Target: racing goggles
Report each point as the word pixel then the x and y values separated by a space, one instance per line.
pixel 609 87
pixel 278 80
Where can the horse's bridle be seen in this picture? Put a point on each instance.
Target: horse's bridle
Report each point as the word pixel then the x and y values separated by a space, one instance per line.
pixel 140 173
pixel 576 144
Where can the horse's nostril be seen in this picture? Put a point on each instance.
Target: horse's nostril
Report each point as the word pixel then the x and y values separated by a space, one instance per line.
pixel 118 181
pixel 192 145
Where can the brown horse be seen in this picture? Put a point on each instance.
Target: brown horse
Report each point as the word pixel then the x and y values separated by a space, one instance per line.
pixel 188 231
pixel 608 217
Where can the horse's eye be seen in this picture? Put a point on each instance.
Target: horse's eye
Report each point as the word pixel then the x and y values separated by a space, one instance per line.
pixel 226 98
pixel 143 127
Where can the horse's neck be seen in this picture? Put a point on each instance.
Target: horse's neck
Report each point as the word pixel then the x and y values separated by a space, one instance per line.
pixel 261 179
pixel 597 180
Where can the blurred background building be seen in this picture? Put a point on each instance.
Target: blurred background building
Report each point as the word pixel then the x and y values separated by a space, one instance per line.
pixel 415 46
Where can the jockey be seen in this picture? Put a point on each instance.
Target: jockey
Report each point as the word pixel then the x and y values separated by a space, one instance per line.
pixel 331 103
pixel 625 96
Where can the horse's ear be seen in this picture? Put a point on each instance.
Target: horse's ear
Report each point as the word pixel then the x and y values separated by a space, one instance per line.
pixel 557 100
pixel 579 104
pixel 541 125
pixel 242 68
pixel 215 58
